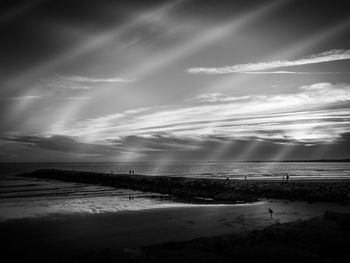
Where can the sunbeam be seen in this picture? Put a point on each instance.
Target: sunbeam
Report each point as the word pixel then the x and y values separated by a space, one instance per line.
pixel 127 86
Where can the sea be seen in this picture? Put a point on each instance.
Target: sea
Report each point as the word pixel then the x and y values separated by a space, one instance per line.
pixel 27 198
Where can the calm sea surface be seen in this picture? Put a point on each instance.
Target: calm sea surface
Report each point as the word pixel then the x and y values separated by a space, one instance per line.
pixel 213 170
pixel 23 197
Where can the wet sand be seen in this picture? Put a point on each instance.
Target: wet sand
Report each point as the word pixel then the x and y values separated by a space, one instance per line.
pixel 65 236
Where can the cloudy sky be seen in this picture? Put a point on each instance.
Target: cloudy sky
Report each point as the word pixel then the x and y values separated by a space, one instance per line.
pixel 185 80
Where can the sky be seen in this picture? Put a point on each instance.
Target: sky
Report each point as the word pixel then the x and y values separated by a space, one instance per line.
pixel 173 81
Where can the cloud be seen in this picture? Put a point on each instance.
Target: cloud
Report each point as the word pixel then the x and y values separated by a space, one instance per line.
pixel 78 98
pixel 316 113
pixel 213 124
pixel 172 148
pixel 94 80
pixel 332 55
pixel 73 87
pixel 155 143
pixel 293 72
pixel 218 97
pixel 25 97
pixel 138 145
pixel 58 83
pixel 78 82
pixel 60 143
pixel 197 39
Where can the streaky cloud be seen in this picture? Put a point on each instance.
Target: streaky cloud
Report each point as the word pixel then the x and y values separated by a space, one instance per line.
pixel 322 117
pixel 78 98
pixel 328 56
pixel 59 143
pixel 179 149
pixel 93 79
pixel 293 72
pixel 25 97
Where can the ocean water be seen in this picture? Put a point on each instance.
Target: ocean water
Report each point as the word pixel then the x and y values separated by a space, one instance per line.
pixel 256 170
pixel 23 197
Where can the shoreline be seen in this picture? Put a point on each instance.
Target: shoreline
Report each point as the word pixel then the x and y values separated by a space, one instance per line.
pixel 205 190
pixel 227 223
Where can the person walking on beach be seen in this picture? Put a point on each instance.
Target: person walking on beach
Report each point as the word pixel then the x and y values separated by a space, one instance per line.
pixel 270 212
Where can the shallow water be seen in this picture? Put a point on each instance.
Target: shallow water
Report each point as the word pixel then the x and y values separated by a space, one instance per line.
pixel 21 197
pixel 25 197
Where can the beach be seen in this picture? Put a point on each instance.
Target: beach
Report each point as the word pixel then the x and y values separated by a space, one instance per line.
pixel 183 209
pixel 63 237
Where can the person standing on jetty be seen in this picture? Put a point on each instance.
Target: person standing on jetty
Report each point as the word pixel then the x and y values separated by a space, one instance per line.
pixel 270 212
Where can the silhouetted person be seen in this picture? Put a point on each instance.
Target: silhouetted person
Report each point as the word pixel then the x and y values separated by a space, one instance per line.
pixel 130 171
pixel 133 172
pixel 270 212
pixel 287 177
pixel 245 177
pixel 283 178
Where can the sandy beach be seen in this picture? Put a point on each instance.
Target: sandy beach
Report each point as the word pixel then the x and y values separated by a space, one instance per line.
pixel 68 236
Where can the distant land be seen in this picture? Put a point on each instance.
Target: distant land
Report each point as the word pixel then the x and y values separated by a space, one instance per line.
pixel 305 161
